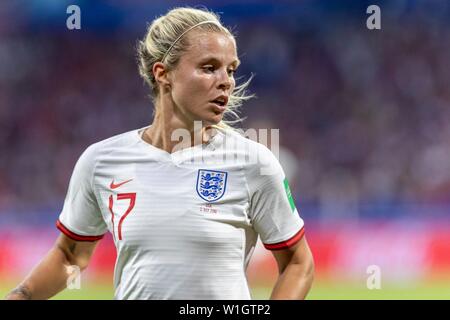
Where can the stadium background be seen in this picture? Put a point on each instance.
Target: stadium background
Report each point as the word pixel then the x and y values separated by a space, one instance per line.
pixel 364 118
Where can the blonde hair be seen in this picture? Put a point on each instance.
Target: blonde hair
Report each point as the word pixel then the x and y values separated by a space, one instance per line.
pixel 165 42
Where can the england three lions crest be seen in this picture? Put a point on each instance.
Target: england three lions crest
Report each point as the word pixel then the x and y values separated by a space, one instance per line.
pixel 211 184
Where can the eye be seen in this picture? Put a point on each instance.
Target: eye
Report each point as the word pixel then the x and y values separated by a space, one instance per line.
pixel 208 68
pixel 231 72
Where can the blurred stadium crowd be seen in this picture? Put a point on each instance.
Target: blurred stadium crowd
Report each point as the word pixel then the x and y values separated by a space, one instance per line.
pixel 364 116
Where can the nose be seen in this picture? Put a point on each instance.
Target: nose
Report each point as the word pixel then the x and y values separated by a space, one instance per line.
pixel 225 80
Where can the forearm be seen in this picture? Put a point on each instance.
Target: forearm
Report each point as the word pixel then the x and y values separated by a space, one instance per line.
pixel 47 279
pixel 294 282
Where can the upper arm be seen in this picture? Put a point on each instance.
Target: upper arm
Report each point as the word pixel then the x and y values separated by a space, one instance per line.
pixel 273 213
pixel 81 218
pixel 299 253
pixel 77 252
pixel 80 221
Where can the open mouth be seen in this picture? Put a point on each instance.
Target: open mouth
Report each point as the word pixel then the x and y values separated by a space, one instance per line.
pixel 220 102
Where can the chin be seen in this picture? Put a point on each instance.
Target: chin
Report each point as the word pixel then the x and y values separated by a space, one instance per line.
pixel 215 120
pixel 211 120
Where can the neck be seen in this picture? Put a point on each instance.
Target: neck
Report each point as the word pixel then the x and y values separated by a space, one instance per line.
pixel 172 131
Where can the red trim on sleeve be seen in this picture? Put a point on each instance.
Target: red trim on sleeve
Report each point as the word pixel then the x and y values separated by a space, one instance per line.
pixel 75 236
pixel 286 244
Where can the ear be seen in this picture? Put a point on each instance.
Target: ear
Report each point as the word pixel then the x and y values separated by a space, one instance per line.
pixel 160 73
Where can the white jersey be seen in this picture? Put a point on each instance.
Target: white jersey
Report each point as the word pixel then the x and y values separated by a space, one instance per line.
pixel 184 224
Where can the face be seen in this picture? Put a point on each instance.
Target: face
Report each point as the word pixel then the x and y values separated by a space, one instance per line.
pixel 203 80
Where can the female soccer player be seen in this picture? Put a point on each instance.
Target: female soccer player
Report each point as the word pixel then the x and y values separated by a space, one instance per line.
pixel 185 216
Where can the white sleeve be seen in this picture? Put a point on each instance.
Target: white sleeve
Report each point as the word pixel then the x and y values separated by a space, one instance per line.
pixel 272 209
pixel 81 218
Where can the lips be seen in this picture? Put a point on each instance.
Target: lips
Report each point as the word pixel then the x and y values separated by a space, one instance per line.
pixel 221 100
pixel 218 109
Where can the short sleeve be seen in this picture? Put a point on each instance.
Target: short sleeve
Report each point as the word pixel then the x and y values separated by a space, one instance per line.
pixel 272 209
pixel 81 218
